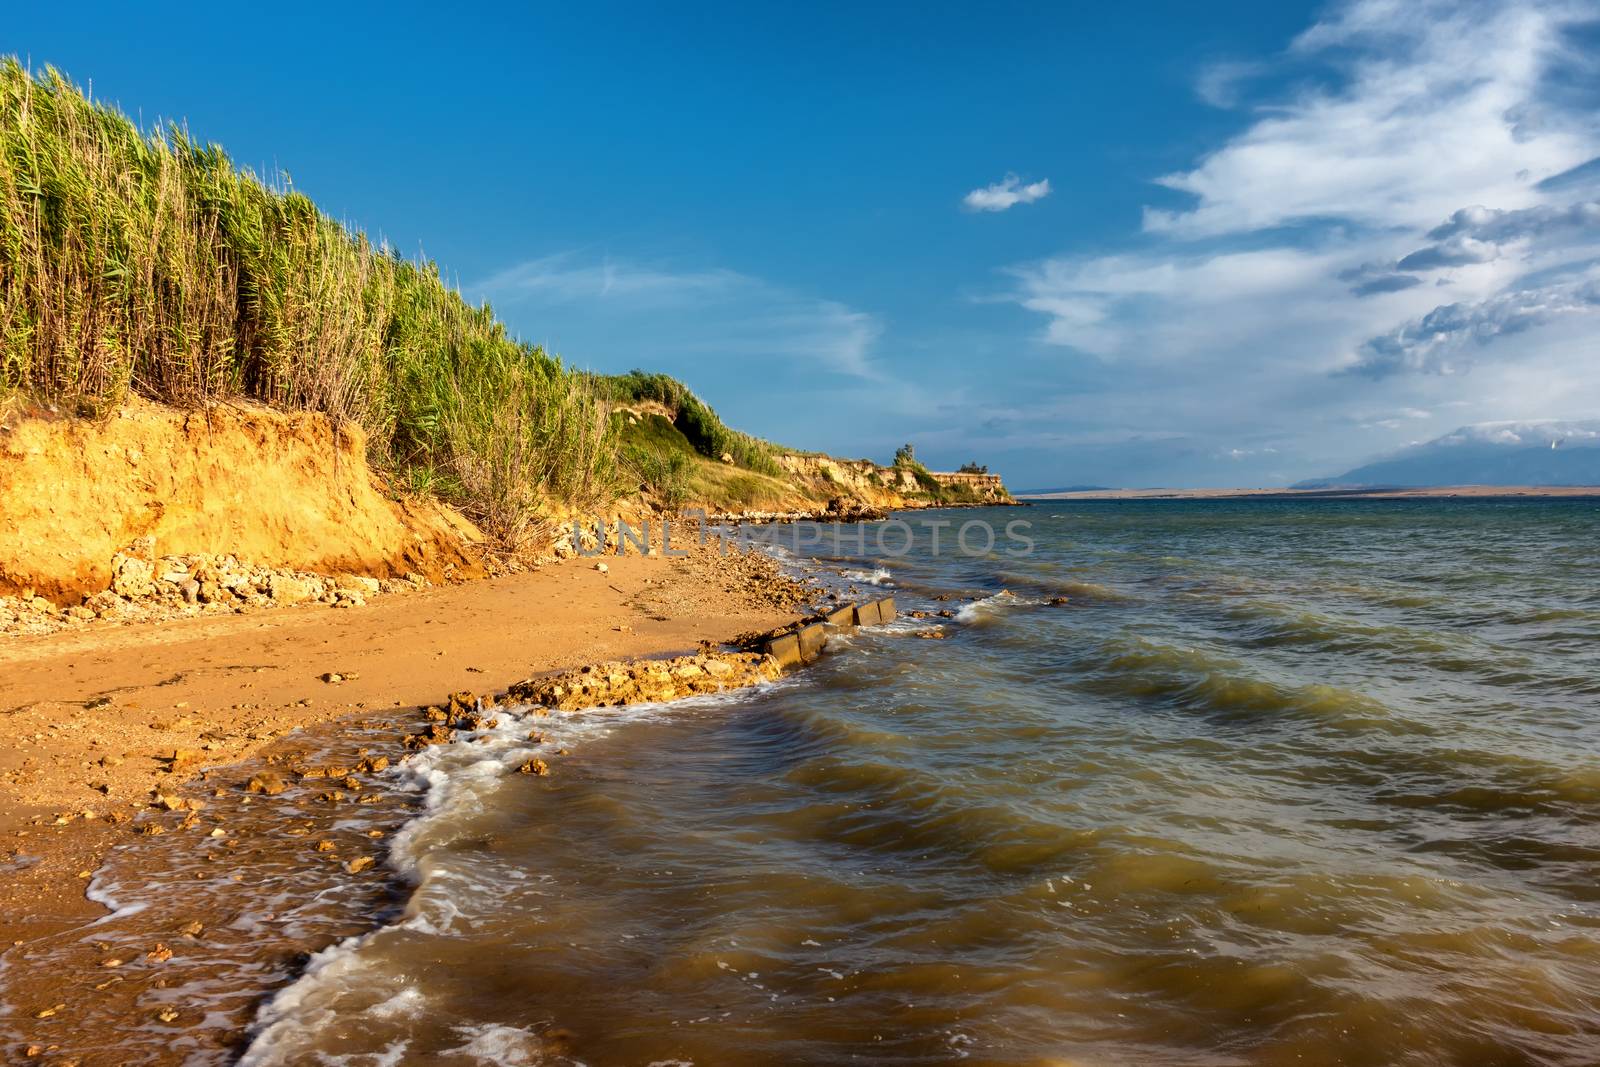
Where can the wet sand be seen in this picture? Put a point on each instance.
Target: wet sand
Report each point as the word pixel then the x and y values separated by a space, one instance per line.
pixel 93 719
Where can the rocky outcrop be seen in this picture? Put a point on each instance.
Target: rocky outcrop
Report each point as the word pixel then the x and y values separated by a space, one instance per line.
pixel 647 681
pixel 860 480
pixel 147 587
pixel 860 484
pixel 981 486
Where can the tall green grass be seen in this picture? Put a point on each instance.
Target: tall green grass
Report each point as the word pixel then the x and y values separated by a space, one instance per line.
pixel 148 263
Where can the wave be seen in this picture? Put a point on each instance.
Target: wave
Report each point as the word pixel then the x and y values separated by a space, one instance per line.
pixel 1072 588
pixel 456 782
pixel 1198 680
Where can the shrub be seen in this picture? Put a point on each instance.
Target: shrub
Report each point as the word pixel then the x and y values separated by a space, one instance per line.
pixel 695 419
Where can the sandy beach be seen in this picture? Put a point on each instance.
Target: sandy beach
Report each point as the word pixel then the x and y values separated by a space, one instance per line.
pixel 95 717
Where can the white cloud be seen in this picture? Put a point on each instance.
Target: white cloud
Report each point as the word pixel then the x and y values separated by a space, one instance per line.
pixel 1395 218
pixel 1437 342
pixel 1221 84
pixel 1006 193
pixel 566 276
pixel 1440 107
pixel 691 314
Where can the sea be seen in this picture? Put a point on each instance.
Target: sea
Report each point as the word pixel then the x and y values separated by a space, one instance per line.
pixel 1212 782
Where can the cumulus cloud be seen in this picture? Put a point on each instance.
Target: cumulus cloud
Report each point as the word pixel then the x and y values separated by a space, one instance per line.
pixel 1500 226
pixel 1456 252
pixel 1384 220
pixel 1433 111
pixel 1006 193
pixel 1432 344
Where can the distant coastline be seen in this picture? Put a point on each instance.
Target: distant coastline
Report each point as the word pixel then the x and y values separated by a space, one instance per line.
pixel 1358 493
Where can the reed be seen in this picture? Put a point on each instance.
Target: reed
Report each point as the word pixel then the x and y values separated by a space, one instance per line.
pixel 148 263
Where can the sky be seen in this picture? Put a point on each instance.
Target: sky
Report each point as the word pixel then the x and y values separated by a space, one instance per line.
pixel 1136 244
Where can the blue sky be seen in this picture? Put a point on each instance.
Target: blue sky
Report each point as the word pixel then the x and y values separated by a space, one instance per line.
pixel 1161 244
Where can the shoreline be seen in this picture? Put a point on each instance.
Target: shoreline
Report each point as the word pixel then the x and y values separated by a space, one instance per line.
pixel 102 722
pixel 161 731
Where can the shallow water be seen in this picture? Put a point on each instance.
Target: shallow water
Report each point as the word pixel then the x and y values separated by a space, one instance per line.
pixel 1283 783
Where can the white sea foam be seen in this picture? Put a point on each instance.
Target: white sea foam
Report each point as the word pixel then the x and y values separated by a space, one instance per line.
pixel 495 1044
pixel 982 609
pixel 456 781
pixel 877 576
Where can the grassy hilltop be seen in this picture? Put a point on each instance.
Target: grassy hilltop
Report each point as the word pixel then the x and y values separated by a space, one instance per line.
pixel 148 263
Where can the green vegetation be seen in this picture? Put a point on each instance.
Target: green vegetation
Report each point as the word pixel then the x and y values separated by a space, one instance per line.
pixel 693 418
pixel 668 466
pixel 148 263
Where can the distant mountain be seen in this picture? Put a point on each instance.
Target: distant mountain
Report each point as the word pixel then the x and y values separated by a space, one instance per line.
pixel 1488 453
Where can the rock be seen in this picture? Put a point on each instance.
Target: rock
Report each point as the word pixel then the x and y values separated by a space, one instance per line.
pixel 1059 601
pixel 79 612
pixel 358 584
pixel 332 679
pixel 214 592
pixel 641 681
pixel 437 733
pixel 160 954
pixel 266 782
pixel 374 764
pixel 727 457
pixel 326 846
pixel 602 568
pixel 106 604
pixel 131 577
pixel 935 634
pixel 286 590
pixel 534 766
pixel 359 864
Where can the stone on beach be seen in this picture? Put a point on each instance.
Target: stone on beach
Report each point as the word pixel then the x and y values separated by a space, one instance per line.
pixel 647 681
pixel 266 782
